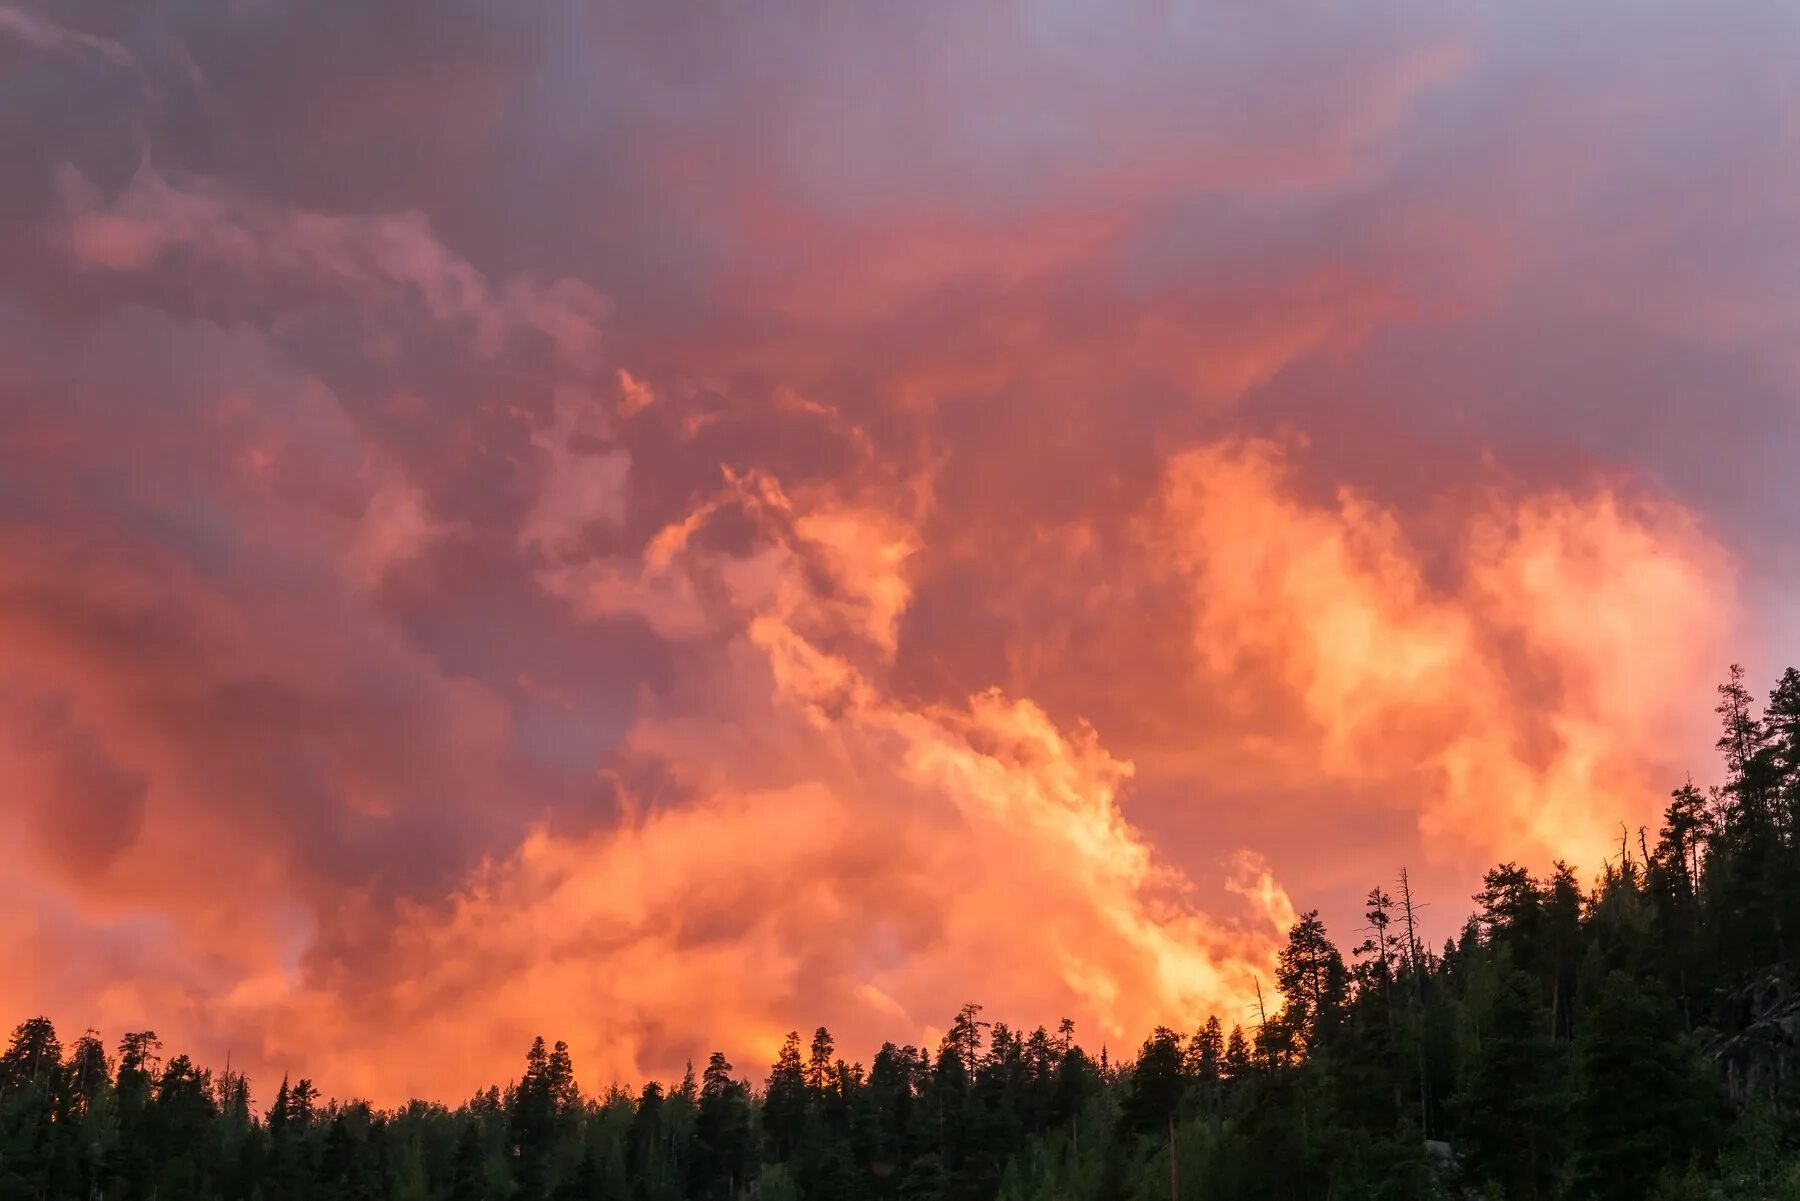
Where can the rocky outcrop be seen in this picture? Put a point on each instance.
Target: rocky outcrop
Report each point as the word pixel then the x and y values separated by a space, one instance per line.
pixel 1754 1043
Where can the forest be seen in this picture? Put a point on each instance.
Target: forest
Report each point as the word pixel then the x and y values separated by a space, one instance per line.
pixel 1623 1038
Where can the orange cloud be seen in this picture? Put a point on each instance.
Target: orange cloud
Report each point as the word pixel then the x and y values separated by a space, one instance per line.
pixel 1526 695
pixel 894 855
pixel 389 674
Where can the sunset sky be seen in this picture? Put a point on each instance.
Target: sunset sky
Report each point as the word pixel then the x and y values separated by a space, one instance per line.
pixel 661 524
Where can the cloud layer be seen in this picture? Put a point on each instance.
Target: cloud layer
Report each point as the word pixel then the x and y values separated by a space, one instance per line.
pixel 663 531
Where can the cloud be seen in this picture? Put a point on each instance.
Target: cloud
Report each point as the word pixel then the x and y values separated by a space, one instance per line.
pixel 888 853
pixel 715 525
pixel 43 34
pixel 583 480
pixel 384 260
pixel 1527 703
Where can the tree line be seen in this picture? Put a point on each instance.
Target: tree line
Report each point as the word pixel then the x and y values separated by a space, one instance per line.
pixel 1627 1038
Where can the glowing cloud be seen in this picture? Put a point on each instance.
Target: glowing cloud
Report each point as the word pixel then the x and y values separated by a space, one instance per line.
pixel 894 852
pixel 658 532
pixel 1531 693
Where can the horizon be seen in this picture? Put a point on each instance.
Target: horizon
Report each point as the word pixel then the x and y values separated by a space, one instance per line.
pixel 754 1077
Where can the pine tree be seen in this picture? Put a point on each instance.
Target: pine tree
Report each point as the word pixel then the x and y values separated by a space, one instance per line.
pixel 785 1101
pixel 1237 1055
pixel 727 1152
pixel 468 1179
pixel 1312 978
pixel 532 1120
pixel 1206 1064
pixel 1645 1102
pixel 1513 1108
pixel 32 1057
pixel 1156 1084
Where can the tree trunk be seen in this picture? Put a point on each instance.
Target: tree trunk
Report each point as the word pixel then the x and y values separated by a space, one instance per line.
pixel 1174 1164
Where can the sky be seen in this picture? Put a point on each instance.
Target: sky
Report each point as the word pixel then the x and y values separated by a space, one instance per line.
pixel 659 525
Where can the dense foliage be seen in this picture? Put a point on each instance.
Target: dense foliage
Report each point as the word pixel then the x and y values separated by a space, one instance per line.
pixel 1626 1040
